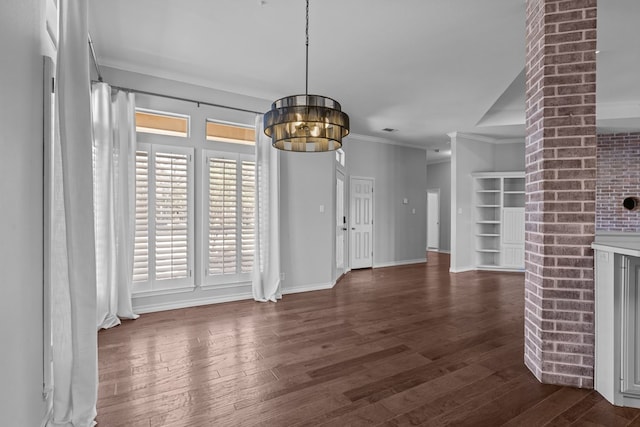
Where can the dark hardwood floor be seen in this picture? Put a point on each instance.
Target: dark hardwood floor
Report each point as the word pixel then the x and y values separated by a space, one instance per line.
pixel 410 345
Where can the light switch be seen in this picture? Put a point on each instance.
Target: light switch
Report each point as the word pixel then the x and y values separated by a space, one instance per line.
pixel 413 211
pixel 321 208
pixel 459 211
pixel 405 201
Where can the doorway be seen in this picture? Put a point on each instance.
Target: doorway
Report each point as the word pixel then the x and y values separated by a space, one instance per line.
pixel 433 219
pixel 361 215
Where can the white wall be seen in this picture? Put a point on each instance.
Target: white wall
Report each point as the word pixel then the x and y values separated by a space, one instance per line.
pixel 399 172
pixel 508 157
pixel 439 176
pixel 21 332
pixel 467 156
pixel 307 235
pixel 470 155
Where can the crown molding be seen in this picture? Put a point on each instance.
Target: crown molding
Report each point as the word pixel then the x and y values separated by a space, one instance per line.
pixel 487 139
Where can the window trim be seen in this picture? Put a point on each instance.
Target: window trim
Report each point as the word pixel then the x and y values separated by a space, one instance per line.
pixel 152 285
pixel 223 280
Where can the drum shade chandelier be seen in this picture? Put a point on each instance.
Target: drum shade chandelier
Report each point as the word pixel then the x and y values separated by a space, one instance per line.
pixel 306 123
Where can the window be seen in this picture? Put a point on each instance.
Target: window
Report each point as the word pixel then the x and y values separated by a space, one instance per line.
pixel 163 253
pixel 340 156
pixel 228 247
pixel 166 257
pixel 230 132
pixel 148 121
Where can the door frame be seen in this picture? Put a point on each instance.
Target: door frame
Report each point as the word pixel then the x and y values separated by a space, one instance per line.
pixel 373 210
pixel 435 191
pixel 345 244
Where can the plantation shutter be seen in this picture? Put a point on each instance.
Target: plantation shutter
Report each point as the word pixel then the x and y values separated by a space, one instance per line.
pixel 248 215
pixel 171 216
pixel 141 244
pixel 163 251
pixel 231 216
pixel 223 204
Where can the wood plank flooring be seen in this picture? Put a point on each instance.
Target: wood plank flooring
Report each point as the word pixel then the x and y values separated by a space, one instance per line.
pixel 410 345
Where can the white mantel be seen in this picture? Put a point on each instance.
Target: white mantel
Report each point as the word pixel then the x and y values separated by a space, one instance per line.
pixel 617 307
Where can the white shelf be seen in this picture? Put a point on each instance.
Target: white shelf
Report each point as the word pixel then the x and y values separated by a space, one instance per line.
pixel 496 195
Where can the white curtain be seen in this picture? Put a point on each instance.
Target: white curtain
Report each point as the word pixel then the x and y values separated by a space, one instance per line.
pixel 74 338
pixel 266 267
pixel 114 151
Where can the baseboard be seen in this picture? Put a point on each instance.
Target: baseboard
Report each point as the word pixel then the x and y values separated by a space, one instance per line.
pixel 174 305
pixel 397 263
pixel 461 270
pixel 497 268
pixel 440 251
pixel 503 269
pixel 308 288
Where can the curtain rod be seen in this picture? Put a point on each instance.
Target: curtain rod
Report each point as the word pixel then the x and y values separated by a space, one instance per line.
pixel 95 60
pixel 142 92
pixel 179 98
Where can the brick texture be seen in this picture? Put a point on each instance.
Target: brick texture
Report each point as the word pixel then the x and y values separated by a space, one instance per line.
pixel 560 190
pixel 618 178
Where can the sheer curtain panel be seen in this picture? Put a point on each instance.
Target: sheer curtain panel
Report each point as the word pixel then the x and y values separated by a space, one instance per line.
pixel 266 265
pixel 74 338
pixel 114 151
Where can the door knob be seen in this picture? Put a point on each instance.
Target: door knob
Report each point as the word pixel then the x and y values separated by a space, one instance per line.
pixel 344 228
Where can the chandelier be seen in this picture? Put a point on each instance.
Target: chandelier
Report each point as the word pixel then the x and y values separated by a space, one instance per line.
pixel 306 123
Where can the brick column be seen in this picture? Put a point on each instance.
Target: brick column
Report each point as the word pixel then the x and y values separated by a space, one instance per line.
pixel 560 190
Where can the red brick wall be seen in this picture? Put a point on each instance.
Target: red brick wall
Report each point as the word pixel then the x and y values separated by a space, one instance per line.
pixel 560 190
pixel 618 178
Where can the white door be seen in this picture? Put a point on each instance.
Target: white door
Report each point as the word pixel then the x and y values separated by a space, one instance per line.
pixel 341 224
pixel 433 219
pixel 361 214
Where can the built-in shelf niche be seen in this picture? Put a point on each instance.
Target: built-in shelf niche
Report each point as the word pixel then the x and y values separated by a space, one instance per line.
pixel 497 194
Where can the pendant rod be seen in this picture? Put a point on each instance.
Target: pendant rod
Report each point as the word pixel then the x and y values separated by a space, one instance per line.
pixel 306 86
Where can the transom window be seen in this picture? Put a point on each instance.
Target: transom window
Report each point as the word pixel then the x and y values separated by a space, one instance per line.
pixel 161 123
pixel 230 132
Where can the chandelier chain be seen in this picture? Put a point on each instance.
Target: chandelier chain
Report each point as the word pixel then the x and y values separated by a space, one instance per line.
pixel 306 83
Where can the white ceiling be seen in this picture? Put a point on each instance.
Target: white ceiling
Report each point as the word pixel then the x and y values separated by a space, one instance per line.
pixel 423 67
